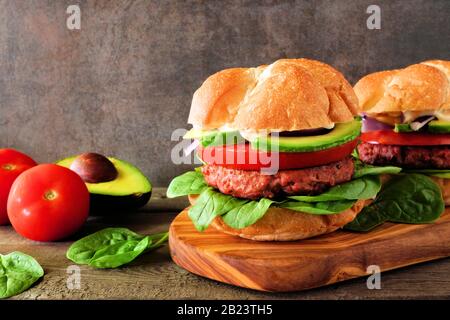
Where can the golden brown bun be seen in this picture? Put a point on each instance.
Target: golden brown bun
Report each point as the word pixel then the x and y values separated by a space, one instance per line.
pixel 419 87
pixel 289 94
pixel 444 184
pixel 279 224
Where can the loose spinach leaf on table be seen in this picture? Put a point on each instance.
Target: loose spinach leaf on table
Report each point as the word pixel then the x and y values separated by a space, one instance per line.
pixel 113 247
pixel 411 198
pixel 191 182
pixel 18 272
pixel 363 188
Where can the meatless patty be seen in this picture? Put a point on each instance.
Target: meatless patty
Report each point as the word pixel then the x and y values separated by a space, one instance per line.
pixel 433 157
pixel 255 185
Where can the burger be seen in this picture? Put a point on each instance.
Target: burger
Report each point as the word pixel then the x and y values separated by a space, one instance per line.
pixel 406 120
pixel 276 144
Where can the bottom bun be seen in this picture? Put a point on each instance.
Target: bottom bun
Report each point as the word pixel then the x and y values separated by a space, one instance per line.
pixel 280 224
pixel 444 184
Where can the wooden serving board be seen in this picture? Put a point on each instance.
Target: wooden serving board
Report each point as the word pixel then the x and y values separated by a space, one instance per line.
pixel 299 265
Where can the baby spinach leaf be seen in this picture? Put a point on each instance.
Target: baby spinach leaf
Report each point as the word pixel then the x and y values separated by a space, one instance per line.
pixel 247 214
pixel 444 175
pixel 118 254
pixel 237 213
pixel 157 240
pixel 363 188
pixel 362 169
pixel 113 247
pixel 18 272
pixel 369 218
pixel 211 204
pixel 427 171
pixel 191 182
pixel 83 250
pixel 326 207
pixel 410 198
pixel 440 173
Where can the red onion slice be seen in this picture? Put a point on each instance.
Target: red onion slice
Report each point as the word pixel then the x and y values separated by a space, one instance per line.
pixel 370 124
pixel 420 122
pixel 188 150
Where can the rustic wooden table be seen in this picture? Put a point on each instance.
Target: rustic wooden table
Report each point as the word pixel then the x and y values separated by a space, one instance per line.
pixel 155 276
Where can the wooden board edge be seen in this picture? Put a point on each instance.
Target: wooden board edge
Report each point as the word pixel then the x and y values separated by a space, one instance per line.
pixel 434 247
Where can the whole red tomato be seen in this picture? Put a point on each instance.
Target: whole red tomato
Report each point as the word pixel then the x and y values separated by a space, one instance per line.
pixel 12 163
pixel 48 203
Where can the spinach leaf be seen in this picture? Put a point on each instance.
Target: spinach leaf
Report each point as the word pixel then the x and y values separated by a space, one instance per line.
pixel 411 198
pixel 369 218
pixel 426 171
pixel 363 188
pixel 445 175
pixel 118 254
pixel 157 240
pixel 191 182
pixel 18 272
pixel 440 173
pixel 84 249
pixel 326 207
pixel 113 247
pixel 247 214
pixel 211 204
pixel 362 169
pixel 237 213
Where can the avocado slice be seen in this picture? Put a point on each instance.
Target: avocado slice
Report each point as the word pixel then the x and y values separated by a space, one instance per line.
pixel 340 134
pixel 439 126
pixel 403 127
pixel 214 137
pixel 128 191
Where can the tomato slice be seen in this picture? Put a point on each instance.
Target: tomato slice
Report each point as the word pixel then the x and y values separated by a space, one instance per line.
pixel 243 157
pixel 405 139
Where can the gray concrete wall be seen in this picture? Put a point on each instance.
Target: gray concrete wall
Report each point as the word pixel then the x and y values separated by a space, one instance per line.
pixel 124 82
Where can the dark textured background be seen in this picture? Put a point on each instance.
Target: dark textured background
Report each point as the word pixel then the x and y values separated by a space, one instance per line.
pixel 124 82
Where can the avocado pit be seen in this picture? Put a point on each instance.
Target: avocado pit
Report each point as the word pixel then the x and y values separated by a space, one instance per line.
pixel 94 168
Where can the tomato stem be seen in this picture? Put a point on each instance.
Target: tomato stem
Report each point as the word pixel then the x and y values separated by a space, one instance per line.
pixel 50 195
pixel 8 166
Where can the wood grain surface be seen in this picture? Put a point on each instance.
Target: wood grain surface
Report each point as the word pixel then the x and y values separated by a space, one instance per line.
pixel 155 276
pixel 310 263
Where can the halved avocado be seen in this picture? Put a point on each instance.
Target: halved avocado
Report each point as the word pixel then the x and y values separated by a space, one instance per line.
pixel 439 126
pixel 129 189
pixel 340 134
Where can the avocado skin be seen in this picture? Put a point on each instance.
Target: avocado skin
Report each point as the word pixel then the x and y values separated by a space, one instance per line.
pixel 102 204
pixel 105 205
